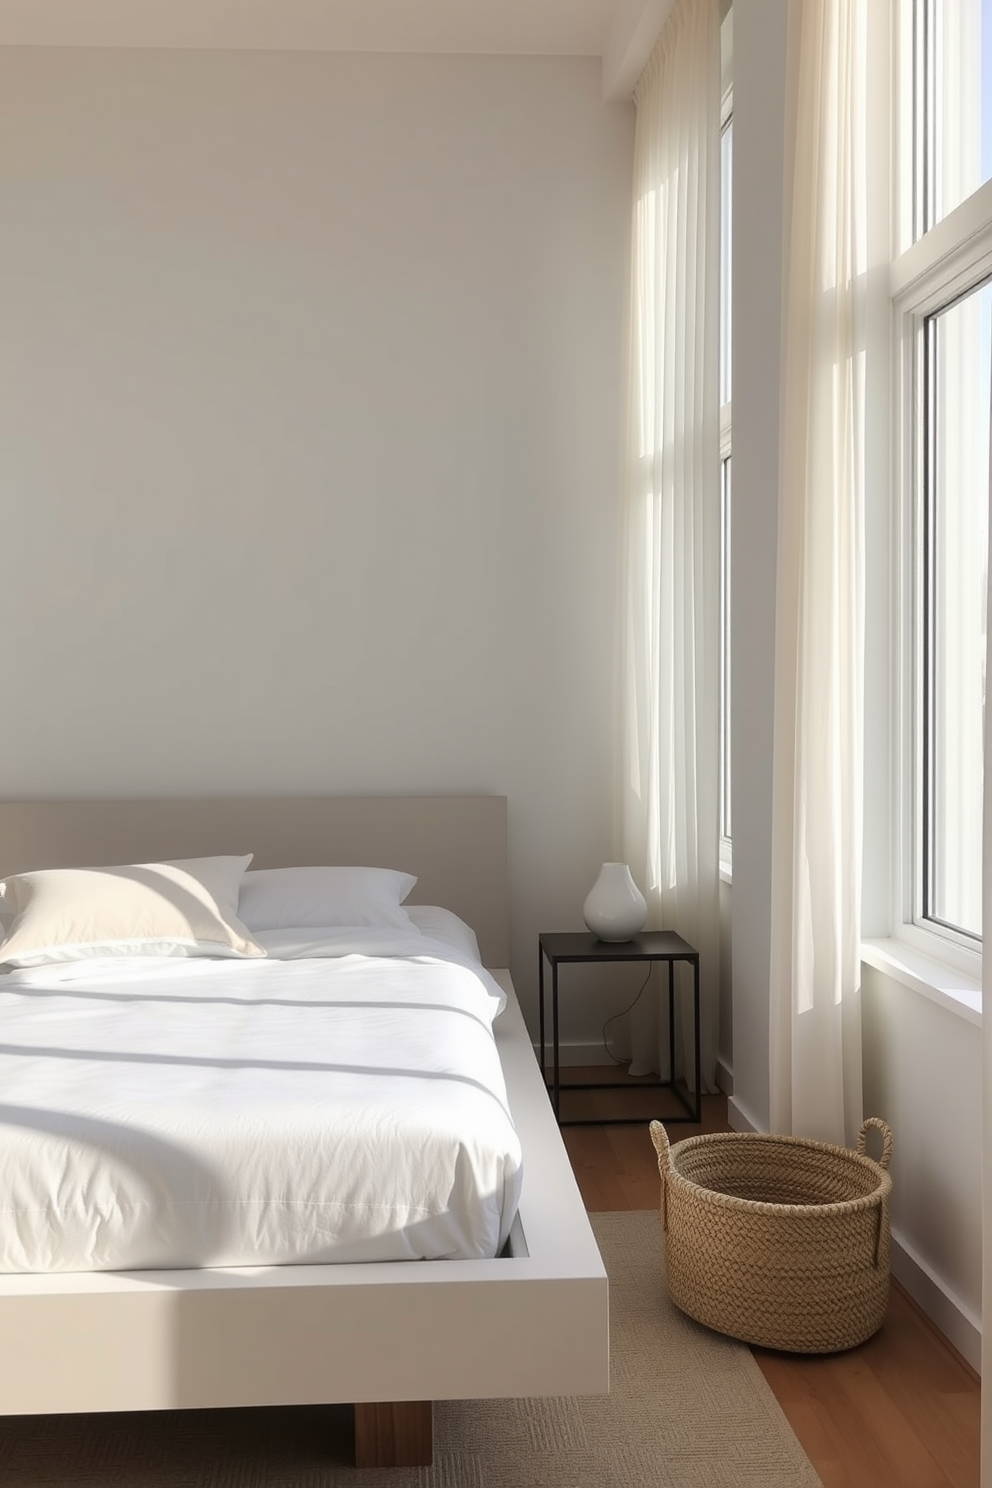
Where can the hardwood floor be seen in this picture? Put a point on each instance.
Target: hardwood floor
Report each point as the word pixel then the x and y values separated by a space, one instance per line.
pixel 901 1411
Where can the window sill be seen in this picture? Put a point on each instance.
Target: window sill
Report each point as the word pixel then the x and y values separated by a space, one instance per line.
pixel 951 989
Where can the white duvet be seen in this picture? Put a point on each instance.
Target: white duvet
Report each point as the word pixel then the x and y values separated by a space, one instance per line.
pixel 341 1100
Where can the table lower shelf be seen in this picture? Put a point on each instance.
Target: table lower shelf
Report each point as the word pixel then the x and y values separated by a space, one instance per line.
pixel 588 1101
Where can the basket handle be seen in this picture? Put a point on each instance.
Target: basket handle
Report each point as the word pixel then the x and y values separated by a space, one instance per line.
pixel 880 1126
pixel 659 1137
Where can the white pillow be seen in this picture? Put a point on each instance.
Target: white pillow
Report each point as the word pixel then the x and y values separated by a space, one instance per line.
pixel 443 924
pixel 182 908
pixel 285 898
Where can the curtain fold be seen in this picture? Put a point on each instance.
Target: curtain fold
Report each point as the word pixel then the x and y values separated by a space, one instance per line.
pixel 814 1014
pixel 669 745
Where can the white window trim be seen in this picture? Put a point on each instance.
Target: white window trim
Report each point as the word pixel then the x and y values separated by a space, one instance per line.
pixel 947 255
pixel 949 988
pixel 726 864
pixel 953 257
pixel 726 850
pixel 726 858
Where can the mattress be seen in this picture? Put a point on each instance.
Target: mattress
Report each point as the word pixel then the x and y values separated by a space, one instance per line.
pixel 340 1100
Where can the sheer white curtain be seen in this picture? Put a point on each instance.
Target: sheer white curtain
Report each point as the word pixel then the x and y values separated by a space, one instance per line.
pixel 815 1029
pixel 670 594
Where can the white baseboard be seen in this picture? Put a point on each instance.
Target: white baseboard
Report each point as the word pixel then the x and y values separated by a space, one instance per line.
pixel 948 1313
pixel 738 1118
pixel 724 1077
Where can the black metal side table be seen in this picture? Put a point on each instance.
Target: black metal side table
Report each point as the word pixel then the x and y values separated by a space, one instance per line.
pixel 650 945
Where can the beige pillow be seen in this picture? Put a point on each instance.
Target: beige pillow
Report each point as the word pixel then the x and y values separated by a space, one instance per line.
pixel 183 908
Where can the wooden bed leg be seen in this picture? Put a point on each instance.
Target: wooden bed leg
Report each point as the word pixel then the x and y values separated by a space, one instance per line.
pixel 396 1434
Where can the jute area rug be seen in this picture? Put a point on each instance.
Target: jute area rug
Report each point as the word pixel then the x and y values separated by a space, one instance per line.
pixel 686 1407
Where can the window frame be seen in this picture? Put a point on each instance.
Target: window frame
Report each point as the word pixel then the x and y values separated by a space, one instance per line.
pixel 725 786
pixel 942 266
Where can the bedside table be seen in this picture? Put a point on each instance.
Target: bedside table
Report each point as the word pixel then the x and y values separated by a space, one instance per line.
pixel 650 945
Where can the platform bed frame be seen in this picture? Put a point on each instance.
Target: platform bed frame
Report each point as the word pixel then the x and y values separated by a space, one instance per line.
pixel 389 1338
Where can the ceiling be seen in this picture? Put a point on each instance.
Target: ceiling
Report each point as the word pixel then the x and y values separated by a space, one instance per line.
pixel 620 32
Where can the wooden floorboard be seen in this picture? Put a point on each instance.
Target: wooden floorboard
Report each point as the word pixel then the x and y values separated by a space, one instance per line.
pixel 901 1411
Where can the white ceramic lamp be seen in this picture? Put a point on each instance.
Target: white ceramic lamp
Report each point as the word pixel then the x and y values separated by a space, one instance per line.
pixel 615 908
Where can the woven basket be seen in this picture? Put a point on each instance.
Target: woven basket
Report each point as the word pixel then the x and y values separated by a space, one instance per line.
pixel 777 1241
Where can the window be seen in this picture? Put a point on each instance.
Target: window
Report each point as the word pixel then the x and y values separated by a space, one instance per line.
pixel 726 176
pixel 955 347
pixel 951 105
pixel 726 799
pixel 942 297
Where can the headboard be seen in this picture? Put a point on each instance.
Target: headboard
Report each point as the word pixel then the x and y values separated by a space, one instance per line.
pixel 456 845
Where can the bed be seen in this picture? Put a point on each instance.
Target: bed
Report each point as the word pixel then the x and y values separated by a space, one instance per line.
pixel 389 1337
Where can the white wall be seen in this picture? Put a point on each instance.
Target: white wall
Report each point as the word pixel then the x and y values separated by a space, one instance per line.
pixel 921 1062
pixel 310 379
pixel 725 1020
pixel 923 1073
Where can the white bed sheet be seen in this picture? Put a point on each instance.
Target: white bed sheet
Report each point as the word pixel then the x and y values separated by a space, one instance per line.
pixel 341 1100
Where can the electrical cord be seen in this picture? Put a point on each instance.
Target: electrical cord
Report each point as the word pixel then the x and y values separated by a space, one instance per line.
pixel 622 1014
